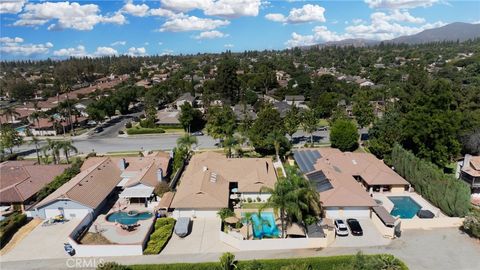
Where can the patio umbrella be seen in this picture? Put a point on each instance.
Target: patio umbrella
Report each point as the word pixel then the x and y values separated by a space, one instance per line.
pixel 425 214
pixel 232 220
pixel 295 229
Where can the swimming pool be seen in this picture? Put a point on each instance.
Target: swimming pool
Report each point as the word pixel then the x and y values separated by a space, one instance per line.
pixel 404 206
pixel 128 218
pixel 264 225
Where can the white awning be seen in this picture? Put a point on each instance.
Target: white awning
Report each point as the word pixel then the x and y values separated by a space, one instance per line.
pixel 136 192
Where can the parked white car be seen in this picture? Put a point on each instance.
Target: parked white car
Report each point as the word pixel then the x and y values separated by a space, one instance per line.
pixel 341 228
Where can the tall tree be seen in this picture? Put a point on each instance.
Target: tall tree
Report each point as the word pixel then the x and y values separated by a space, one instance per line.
pixel 363 111
pixel 226 81
pixel 344 135
pixel 190 118
pixel 292 121
pixel 186 141
pixel 221 122
pixel 309 123
pixel 67 147
pixel 260 134
pixel 10 138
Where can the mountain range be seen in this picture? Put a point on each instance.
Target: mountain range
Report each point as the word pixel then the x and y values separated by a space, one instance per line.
pixel 451 32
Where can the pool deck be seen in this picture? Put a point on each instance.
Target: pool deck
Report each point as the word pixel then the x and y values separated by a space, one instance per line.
pixel 413 195
pixel 113 231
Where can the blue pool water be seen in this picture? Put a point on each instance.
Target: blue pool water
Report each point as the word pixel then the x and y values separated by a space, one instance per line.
pixel 264 225
pixel 404 206
pixel 126 219
pixel 21 129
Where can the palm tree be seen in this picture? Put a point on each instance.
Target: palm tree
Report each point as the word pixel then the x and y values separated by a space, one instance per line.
pixel 67 89
pixel 67 147
pixel 309 123
pixel 229 143
pixel 186 141
pixel 35 117
pixel 283 199
pixel 308 197
pixel 35 142
pixel 277 137
pixel 10 111
pixel 247 219
pixel 53 148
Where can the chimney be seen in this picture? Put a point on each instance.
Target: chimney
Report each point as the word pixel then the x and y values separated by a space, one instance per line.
pixel 122 164
pixel 160 175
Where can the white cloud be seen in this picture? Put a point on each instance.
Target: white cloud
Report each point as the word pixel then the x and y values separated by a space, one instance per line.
pixel 167 52
pixel 164 13
pixel 137 51
pixel 229 45
pixel 11 6
pixel 15 46
pixel 399 4
pixel 396 15
pixel 221 8
pixel 66 15
pixel 11 40
pixel 276 17
pixel 307 13
pixel 135 10
pixel 79 51
pixel 211 35
pixel 233 8
pixel 378 29
pixel 160 43
pixel 192 23
pixel 357 21
pixel 182 5
pixel 119 43
pixel 105 51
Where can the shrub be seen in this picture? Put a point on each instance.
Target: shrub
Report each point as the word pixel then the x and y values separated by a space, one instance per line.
pixel 59 180
pixel 225 213
pixel 134 131
pixel 9 226
pixel 471 224
pixel 121 132
pixel 249 200
pixel 161 188
pixel 128 125
pixel 160 236
pixel 227 261
pixel 112 266
pixel 444 191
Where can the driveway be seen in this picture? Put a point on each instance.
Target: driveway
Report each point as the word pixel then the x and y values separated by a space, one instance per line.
pixel 371 237
pixel 43 243
pixel 204 238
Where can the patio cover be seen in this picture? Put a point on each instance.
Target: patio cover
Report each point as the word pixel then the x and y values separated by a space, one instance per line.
pixel 136 192
pixel 382 213
pixel 166 200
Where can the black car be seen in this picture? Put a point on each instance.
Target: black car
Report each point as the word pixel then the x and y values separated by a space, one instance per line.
pixel 98 129
pixel 355 227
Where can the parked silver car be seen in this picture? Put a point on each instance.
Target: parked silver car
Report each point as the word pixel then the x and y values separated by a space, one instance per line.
pixel 341 228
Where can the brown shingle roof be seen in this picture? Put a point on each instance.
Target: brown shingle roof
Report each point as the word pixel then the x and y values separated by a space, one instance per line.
pixel 90 187
pixel 20 180
pixel 197 190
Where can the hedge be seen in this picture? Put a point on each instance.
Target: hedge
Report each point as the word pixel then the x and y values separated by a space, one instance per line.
pixel 59 180
pixel 452 196
pixel 160 236
pixel 345 262
pixel 471 224
pixel 9 226
pixel 137 130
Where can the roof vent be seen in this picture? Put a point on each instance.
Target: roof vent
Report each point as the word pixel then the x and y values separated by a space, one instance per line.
pixel 354 162
pixel 205 168
pixel 213 177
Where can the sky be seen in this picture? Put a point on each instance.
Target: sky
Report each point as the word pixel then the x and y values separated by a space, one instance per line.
pixel 40 29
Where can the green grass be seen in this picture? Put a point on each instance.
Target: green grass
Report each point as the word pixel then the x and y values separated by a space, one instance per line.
pixel 160 236
pixel 323 122
pixel 345 262
pixel 252 205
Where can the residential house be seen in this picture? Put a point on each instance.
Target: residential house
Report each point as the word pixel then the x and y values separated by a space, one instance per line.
pixel 21 181
pixel 243 112
pixel 296 100
pixel 282 107
pixel 185 98
pixel 211 179
pixel 346 180
pixel 103 178
pixel 468 170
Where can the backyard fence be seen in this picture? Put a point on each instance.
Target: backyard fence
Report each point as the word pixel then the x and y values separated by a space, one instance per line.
pixel 444 191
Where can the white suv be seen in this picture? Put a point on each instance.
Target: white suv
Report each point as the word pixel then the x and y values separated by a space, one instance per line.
pixel 341 228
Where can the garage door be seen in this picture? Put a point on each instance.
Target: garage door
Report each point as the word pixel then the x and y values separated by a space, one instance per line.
pixel 348 212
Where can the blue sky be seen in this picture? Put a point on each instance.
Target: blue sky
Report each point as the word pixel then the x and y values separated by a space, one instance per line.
pixel 57 29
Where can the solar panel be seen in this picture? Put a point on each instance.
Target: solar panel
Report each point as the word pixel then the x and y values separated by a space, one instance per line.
pixel 319 181
pixel 306 159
